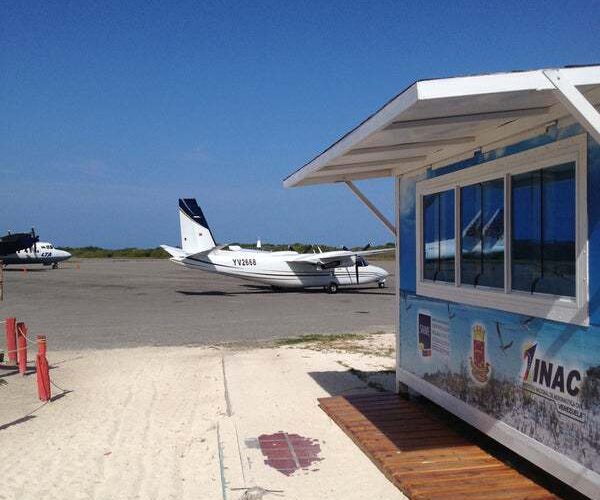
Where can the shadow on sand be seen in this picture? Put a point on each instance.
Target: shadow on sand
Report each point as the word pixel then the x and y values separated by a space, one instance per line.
pixel 18 421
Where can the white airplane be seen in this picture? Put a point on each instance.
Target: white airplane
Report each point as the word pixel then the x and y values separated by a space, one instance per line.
pixel 287 269
pixel 39 253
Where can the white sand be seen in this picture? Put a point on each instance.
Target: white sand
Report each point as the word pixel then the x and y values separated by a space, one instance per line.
pixel 142 423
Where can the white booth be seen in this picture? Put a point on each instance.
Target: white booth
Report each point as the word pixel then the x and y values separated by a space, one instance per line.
pixel 497 229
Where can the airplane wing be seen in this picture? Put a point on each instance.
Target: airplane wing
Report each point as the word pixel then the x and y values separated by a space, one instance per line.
pixel 344 257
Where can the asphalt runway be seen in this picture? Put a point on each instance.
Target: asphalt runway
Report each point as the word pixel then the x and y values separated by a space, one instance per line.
pixel 110 303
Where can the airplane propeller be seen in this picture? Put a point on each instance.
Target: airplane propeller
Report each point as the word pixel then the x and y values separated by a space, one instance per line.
pixel 366 247
pixel 35 240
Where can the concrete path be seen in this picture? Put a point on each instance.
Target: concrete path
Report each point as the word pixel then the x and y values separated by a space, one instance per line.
pixel 273 394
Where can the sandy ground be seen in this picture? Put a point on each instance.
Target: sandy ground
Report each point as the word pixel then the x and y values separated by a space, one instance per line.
pixel 183 422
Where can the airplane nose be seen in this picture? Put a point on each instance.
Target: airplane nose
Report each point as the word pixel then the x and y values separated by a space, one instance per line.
pixel 64 255
pixel 379 271
pixel 382 272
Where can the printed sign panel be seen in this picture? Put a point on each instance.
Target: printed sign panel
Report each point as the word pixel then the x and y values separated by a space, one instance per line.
pixel 540 377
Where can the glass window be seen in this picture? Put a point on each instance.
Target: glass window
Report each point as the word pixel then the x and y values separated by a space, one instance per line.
pixel 482 234
pixel 543 231
pixel 438 236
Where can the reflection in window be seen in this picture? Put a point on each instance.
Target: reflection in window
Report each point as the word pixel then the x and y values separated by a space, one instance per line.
pixel 438 236
pixel 482 234
pixel 543 231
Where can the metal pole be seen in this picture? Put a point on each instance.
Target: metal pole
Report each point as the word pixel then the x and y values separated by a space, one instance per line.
pixel 371 207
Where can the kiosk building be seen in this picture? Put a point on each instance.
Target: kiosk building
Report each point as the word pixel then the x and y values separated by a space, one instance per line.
pixel 497 226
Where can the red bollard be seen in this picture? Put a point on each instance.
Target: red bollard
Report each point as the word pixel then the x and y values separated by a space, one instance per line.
pixel 42 370
pixel 11 340
pixel 22 347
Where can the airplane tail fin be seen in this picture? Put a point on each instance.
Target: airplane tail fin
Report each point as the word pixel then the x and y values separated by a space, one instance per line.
pixel 196 235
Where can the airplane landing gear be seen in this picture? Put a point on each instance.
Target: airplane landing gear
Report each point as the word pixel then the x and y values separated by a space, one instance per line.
pixel 381 284
pixel 55 265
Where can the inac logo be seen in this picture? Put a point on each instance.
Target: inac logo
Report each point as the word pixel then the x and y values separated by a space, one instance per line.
pixel 553 381
pixel 528 355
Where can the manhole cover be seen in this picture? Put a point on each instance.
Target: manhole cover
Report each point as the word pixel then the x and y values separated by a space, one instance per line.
pixel 289 452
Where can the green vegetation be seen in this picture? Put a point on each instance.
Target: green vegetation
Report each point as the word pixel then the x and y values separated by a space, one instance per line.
pixel 305 247
pixel 308 248
pixel 92 252
pixel 370 344
pixel 321 339
pixel 122 253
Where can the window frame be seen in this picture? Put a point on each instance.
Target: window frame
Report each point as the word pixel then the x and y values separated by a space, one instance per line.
pixel 453 191
pixel 553 307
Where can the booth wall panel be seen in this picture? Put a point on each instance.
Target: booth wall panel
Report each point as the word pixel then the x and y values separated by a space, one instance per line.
pixel 539 377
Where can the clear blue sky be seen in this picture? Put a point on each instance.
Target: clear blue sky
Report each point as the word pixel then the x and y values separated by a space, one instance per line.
pixel 110 111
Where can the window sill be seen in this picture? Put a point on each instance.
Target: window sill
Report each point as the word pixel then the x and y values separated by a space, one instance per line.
pixel 562 309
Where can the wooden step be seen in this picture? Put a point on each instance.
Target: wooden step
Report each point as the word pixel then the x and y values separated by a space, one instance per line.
pixel 422 455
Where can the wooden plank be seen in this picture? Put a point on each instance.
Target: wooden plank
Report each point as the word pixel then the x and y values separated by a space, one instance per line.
pixel 421 454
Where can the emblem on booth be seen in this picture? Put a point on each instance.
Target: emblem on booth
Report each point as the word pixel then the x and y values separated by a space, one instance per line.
pixel 552 380
pixel 424 335
pixel 480 368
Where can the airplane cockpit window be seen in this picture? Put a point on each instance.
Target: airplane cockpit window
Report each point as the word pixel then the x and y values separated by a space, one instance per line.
pixel 361 261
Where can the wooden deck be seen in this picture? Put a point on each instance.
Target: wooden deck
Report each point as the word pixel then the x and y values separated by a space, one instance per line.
pixel 421 454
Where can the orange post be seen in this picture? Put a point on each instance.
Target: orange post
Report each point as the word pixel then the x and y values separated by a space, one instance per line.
pixel 42 370
pixel 22 347
pixel 41 344
pixel 11 340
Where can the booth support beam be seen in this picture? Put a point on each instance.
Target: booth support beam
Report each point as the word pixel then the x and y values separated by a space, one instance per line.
pixel 575 102
pixel 371 207
pixel 401 387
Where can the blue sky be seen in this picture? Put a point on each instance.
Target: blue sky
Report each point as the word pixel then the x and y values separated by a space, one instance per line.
pixel 110 111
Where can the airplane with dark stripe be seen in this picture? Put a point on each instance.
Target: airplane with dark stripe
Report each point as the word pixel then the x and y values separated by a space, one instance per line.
pixel 286 269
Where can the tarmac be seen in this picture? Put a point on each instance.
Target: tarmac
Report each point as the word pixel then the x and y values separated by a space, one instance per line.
pixel 110 303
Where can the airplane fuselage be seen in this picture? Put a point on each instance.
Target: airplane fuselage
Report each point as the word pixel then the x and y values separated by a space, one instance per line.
pixel 271 268
pixel 41 253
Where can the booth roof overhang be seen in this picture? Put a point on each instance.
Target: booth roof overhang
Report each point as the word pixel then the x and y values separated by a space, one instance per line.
pixel 435 122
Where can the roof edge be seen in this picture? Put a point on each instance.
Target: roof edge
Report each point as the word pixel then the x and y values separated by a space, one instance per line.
pixel 435 89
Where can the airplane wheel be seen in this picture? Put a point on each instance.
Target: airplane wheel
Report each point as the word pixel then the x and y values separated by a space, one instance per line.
pixel 332 287
pixel 55 265
pixel 381 284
